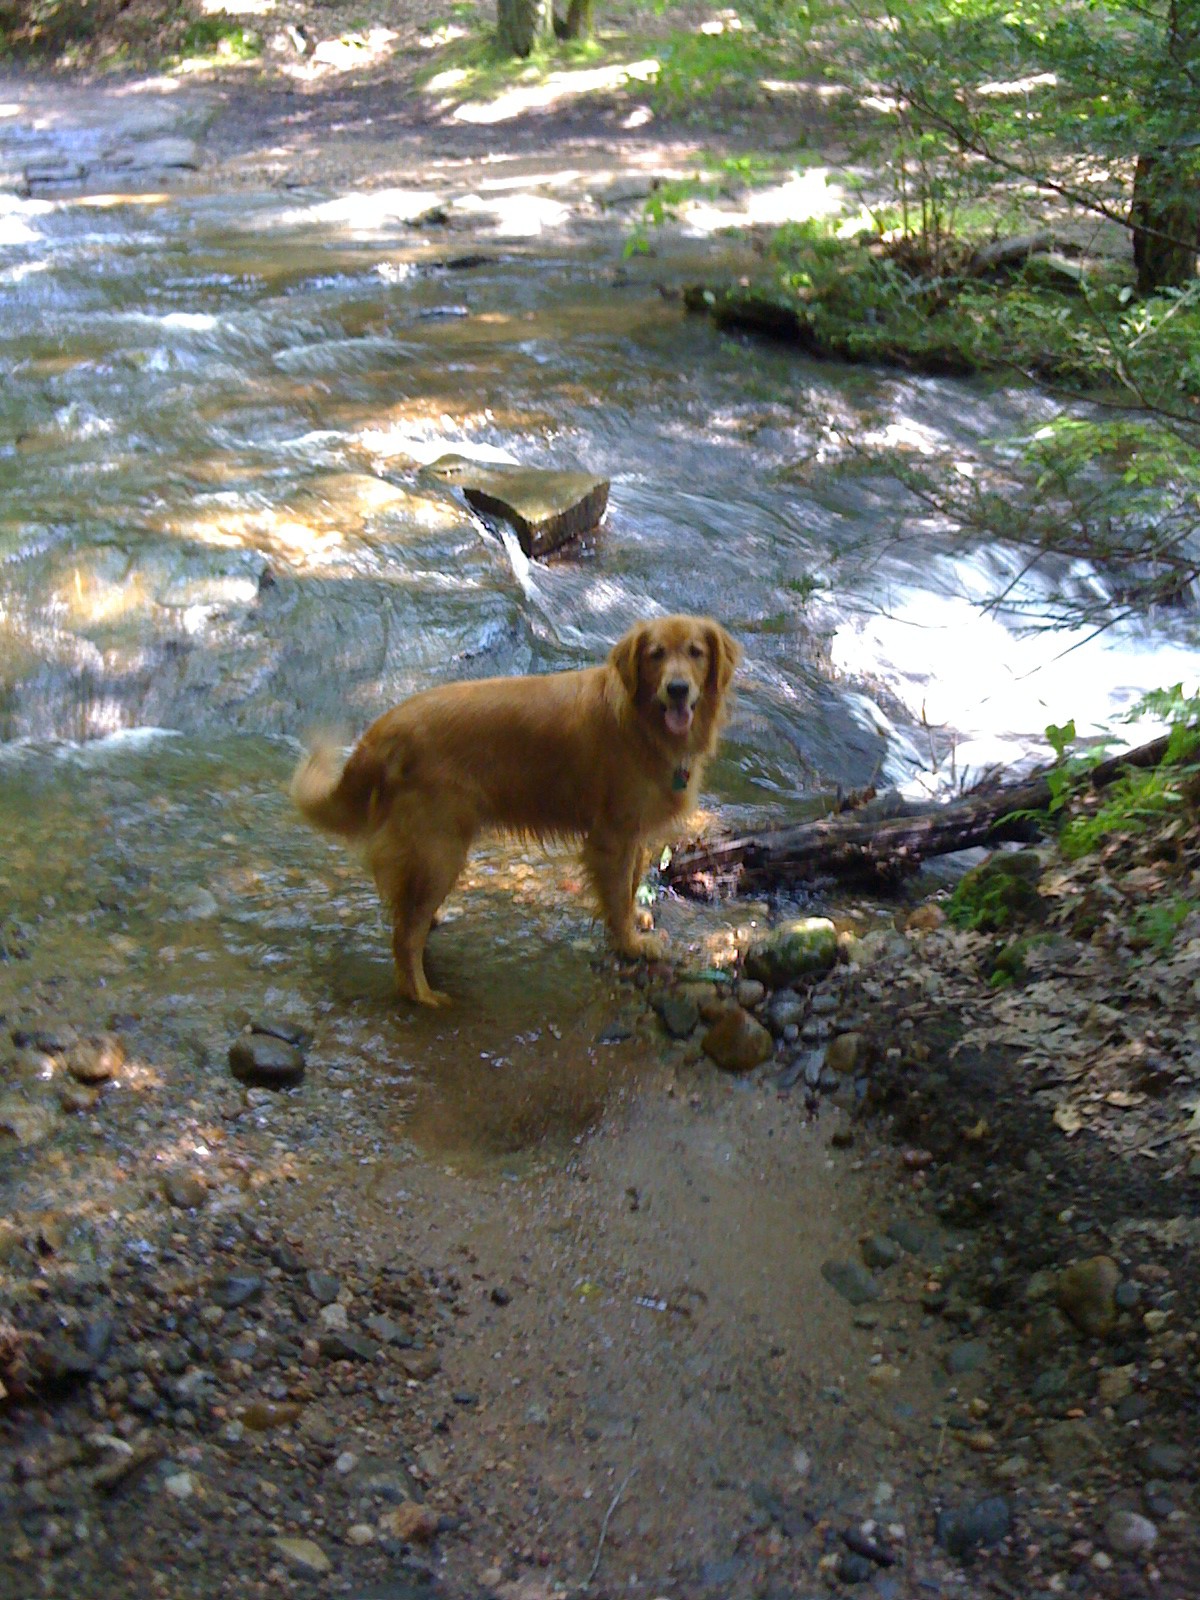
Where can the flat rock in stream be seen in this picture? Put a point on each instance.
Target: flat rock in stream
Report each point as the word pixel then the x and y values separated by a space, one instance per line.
pixel 545 508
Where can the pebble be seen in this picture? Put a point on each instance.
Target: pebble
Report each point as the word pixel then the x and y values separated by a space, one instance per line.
pixel 1165 1460
pixel 333 1317
pixel 851 1280
pixel 748 993
pixel 303 1555
pixel 410 1523
pixel 965 1357
pixel 346 1462
pixel 985 1523
pixel 96 1060
pixel 1086 1295
pixel 842 1054
pixel 184 1190
pixel 238 1289
pixel 679 1013
pixel 181 1485
pixel 879 1252
pixel 323 1286
pixel 1070 1447
pixel 261 1060
pixel 360 1533
pixel 75 1097
pixel 1129 1533
pixel 737 1042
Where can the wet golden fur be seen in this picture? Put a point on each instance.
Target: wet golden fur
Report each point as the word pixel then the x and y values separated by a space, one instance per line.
pixel 587 755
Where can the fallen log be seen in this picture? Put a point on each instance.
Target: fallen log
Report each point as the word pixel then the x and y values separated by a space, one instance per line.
pixel 879 854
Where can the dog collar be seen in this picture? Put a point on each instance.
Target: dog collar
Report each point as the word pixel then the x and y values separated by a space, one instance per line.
pixel 681 777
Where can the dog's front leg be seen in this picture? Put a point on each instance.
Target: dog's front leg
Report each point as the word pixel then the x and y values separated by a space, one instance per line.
pixel 615 868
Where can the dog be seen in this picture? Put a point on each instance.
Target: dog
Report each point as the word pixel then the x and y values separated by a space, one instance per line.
pixel 611 756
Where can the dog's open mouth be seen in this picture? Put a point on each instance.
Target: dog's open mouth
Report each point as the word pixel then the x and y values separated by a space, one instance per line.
pixel 678 719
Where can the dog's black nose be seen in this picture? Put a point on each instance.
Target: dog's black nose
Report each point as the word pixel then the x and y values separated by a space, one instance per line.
pixel 678 689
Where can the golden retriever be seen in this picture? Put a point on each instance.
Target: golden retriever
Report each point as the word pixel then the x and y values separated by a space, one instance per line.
pixel 609 755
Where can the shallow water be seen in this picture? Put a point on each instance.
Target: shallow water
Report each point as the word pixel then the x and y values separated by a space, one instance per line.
pixel 214 521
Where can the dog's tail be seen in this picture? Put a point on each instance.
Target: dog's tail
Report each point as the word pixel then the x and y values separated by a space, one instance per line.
pixel 334 794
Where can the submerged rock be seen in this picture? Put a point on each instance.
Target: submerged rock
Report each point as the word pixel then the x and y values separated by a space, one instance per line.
pixel 545 508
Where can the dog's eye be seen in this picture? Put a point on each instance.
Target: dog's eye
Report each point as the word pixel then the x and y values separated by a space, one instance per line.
pixel 696 651
pixel 656 652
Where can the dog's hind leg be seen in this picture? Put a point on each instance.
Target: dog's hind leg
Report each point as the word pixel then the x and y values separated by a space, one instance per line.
pixel 413 886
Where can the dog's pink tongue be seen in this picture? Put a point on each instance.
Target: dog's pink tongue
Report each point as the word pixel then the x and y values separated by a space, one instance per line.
pixel 678 719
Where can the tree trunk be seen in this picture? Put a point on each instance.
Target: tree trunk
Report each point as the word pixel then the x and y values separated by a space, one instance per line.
pixel 522 24
pixel 879 854
pixel 1166 221
pixel 1165 214
pixel 579 22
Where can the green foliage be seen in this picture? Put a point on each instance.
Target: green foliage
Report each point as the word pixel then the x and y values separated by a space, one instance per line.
pixel 697 67
pixel 1139 800
pixel 1000 891
pixel 1155 925
pixel 217 35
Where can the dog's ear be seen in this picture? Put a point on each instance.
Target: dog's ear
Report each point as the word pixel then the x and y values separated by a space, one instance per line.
pixel 626 657
pixel 724 653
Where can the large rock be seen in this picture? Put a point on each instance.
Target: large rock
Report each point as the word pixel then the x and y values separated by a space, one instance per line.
pixel 545 508
pixel 796 949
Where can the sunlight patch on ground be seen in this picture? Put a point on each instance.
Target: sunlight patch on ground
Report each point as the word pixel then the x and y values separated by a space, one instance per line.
pixel 1038 80
pixel 366 212
pixel 237 8
pixel 557 86
pixel 515 216
pixel 800 198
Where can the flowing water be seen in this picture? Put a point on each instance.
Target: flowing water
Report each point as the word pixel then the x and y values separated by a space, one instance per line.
pixel 215 524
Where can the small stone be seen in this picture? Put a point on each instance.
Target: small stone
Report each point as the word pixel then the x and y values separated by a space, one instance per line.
pixel 196 904
pixel 748 993
pixel 852 1281
pixel 785 1011
pixel 1129 1533
pixel 181 1485
pixel 960 1533
pixel 304 1555
pixel 27 1122
pixel 1114 1384
pixel 238 1289
pixel 793 950
pixel 1086 1294
pixel 76 1097
pixel 345 1463
pixel 348 1346
pixel 360 1533
pixel 334 1317
pixel 884 1375
pixel 842 1055
pixel 186 1191
pixel 1070 1447
pixel 420 1365
pixel 879 1252
pixel 261 1060
pixel 680 1013
pixel 410 1523
pixel 737 1042
pixel 261 1416
pixel 965 1357
pixel 1165 1460
pixel 853 1568
pixel 96 1060
pixel 323 1286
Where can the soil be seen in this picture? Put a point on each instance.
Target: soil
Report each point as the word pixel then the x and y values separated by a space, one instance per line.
pixel 611 1319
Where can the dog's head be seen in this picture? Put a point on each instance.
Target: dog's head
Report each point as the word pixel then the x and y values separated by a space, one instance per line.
pixel 677 672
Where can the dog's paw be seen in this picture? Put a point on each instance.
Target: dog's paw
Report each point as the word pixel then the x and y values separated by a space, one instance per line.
pixel 644 947
pixel 643 919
